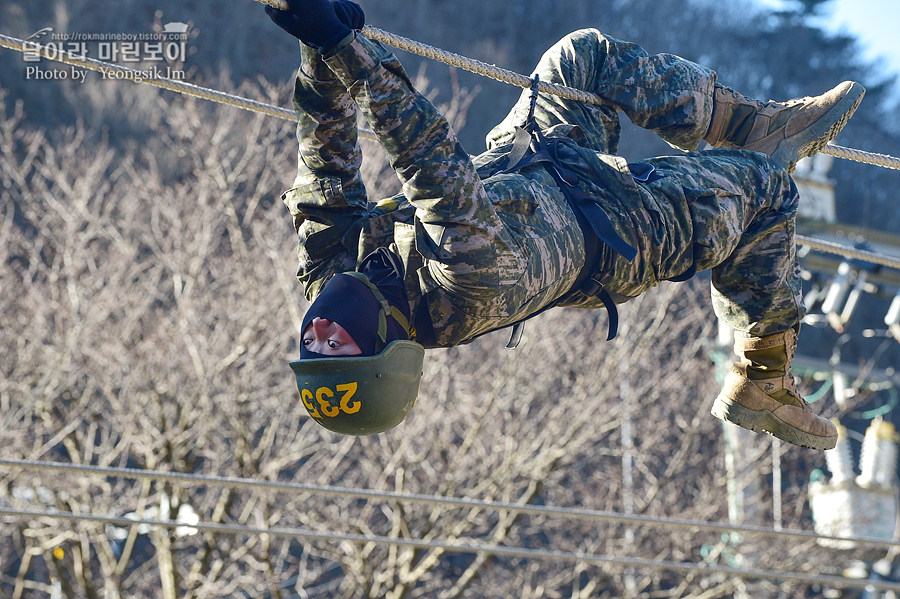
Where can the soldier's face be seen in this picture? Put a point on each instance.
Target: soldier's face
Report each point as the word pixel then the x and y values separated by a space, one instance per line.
pixel 327 337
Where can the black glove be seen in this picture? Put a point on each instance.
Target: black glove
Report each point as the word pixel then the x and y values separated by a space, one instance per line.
pixel 313 22
pixel 350 13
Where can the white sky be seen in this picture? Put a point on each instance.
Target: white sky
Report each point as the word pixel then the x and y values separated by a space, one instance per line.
pixel 875 22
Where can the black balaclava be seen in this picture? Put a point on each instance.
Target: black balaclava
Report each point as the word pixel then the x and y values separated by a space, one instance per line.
pixel 351 303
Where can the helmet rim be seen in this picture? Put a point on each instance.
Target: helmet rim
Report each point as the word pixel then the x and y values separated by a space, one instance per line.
pixel 361 395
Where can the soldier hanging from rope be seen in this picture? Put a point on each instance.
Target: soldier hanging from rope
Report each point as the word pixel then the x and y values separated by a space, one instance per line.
pixel 548 216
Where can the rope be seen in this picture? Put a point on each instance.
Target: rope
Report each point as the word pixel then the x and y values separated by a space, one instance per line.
pixel 511 77
pixel 861 156
pixel 434 500
pixel 474 66
pixel 469 64
pixel 848 252
pixel 478 67
pixel 506 76
pixel 462 547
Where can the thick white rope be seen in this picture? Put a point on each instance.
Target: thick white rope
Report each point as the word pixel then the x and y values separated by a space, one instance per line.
pixel 511 77
pixel 478 67
pixel 517 79
pixel 861 156
pixel 456 60
pixel 469 64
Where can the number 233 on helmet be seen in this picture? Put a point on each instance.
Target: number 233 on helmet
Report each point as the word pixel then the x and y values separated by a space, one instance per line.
pixel 361 395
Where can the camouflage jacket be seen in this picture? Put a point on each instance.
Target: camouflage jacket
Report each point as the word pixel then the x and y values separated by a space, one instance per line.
pixel 480 255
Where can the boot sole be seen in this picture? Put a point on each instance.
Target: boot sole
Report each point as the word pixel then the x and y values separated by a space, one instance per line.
pixel 823 131
pixel 764 421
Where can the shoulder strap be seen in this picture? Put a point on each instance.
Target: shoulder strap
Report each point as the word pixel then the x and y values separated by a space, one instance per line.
pixel 386 309
pixel 531 147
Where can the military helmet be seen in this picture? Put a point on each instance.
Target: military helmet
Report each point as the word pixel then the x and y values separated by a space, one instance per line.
pixel 361 395
pixel 364 394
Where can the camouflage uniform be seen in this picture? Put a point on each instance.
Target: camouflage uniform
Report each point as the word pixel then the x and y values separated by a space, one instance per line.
pixel 483 254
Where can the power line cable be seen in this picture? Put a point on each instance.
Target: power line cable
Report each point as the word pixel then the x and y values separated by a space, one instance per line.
pixel 463 547
pixel 448 502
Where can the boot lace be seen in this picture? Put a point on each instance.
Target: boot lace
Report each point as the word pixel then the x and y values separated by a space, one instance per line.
pixel 791 103
pixel 741 97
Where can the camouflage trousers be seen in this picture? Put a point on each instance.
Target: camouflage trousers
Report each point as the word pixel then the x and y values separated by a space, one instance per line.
pixel 730 211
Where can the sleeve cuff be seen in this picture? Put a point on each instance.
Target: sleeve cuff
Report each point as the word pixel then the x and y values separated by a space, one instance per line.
pixel 354 58
pixel 343 43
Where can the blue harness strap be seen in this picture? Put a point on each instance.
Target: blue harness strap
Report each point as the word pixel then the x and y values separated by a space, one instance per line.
pixel 530 147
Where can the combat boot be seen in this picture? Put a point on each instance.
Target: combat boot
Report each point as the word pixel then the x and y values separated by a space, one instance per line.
pixel 760 393
pixel 786 131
